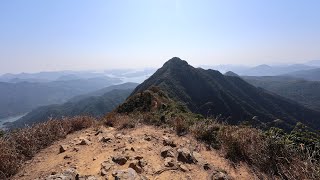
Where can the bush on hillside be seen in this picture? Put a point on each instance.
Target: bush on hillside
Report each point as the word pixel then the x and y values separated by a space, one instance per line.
pixel 181 126
pixel 118 121
pixel 1 133
pixel 271 152
pixel 207 131
pixel 22 144
pixel 275 153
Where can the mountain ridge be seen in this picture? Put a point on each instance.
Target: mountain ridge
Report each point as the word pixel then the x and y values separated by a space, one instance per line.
pixel 210 93
pixel 92 104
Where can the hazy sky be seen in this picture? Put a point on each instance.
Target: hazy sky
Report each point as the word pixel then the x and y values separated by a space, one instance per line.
pixel 40 35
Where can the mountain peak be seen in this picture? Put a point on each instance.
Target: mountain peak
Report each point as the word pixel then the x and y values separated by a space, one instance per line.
pixel 263 66
pixel 209 93
pixel 230 73
pixel 175 61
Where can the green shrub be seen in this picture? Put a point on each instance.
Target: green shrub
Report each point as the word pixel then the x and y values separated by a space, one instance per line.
pixel 1 133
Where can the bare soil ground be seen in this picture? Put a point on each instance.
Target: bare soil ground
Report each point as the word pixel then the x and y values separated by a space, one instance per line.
pixel 139 148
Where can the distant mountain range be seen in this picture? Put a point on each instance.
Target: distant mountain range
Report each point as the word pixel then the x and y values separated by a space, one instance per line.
pixel 211 93
pixel 49 76
pixel 95 104
pixel 21 97
pixel 207 92
pixel 266 70
pixel 123 75
pixel 313 63
pixel 311 75
pixel 23 92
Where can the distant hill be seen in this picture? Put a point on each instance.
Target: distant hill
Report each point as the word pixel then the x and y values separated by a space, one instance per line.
pixel 230 73
pixel 22 97
pixel 223 68
pixel 96 106
pixel 33 77
pixel 311 75
pixel 102 91
pixel 262 70
pixel 49 76
pixel 266 70
pixel 313 63
pixel 208 92
pixel 305 92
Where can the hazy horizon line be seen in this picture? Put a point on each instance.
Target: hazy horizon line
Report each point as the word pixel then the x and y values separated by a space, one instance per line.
pixel 100 70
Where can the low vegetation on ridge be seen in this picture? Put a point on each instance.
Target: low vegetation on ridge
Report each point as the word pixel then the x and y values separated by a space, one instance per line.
pixel 273 152
pixel 293 155
pixel 20 145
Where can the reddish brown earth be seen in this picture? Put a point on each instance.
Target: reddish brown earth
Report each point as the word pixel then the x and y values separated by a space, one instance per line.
pixel 139 147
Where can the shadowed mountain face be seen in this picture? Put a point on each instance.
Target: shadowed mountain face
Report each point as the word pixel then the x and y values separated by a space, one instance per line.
pixel 20 98
pixel 95 106
pixel 296 89
pixel 209 92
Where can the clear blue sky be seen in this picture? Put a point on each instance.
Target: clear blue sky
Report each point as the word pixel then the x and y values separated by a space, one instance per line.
pixel 40 35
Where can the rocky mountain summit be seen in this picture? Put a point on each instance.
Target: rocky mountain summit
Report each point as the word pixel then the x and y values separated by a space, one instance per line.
pixel 140 153
pixel 210 93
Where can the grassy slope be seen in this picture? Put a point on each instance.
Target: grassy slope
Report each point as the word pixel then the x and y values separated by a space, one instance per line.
pixel 302 91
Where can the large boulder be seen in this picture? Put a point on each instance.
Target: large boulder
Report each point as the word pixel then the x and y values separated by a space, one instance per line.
pixel 88 178
pixel 69 174
pixel 63 148
pixel 119 159
pixel 197 158
pixel 135 164
pixel 105 167
pixel 84 141
pixel 168 142
pixel 185 156
pixel 169 162
pixel 218 174
pixel 127 174
pixel 106 138
pixel 167 151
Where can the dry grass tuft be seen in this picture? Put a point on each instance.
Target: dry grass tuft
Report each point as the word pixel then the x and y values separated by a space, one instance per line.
pixel 180 125
pixel 22 144
pixel 119 121
pixel 206 131
pixel 272 154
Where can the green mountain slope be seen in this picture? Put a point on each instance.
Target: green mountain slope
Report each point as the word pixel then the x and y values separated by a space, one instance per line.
pixel 305 92
pixel 100 92
pixel 96 106
pixel 208 92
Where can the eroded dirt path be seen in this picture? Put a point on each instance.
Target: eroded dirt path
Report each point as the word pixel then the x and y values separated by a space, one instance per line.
pixel 141 153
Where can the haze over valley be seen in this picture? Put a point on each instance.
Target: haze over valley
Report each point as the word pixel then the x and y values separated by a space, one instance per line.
pixel 37 90
pixel 159 89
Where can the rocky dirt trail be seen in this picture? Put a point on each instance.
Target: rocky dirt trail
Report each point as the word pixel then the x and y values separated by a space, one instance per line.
pixel 141 153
